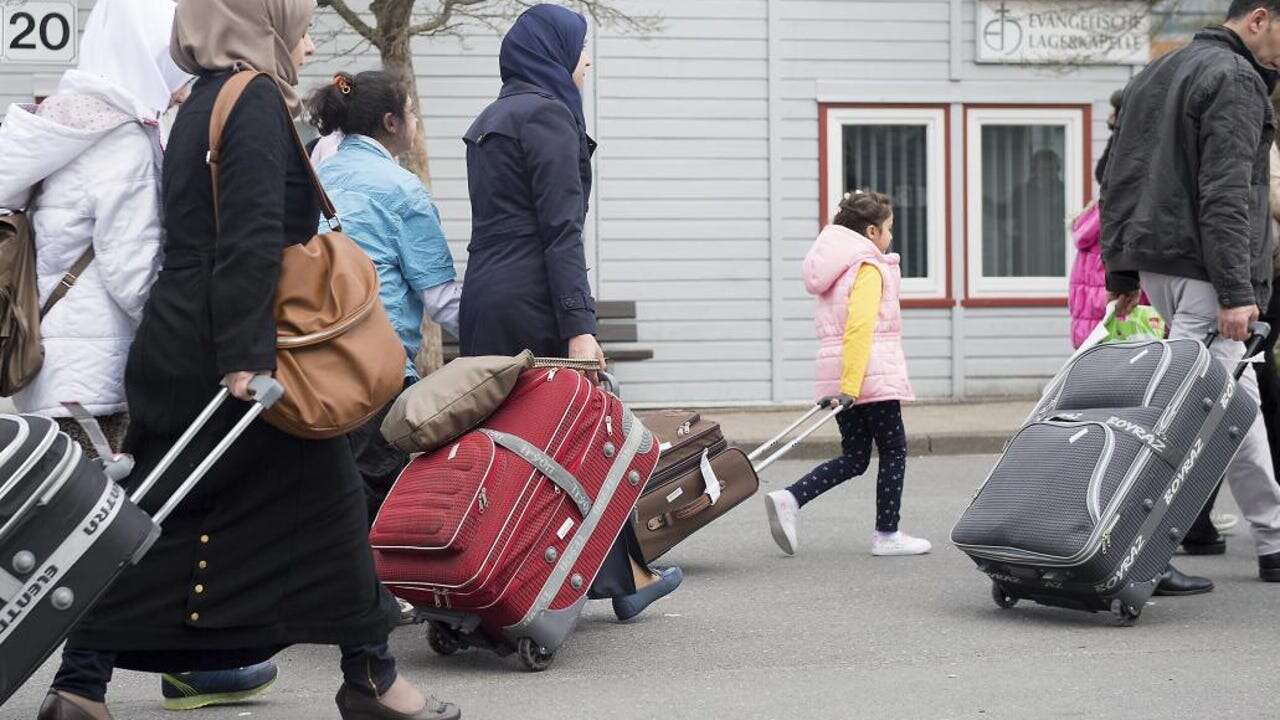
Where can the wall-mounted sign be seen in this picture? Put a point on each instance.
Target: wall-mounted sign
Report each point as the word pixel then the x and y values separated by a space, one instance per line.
pixel 38 31
pixel 1064 32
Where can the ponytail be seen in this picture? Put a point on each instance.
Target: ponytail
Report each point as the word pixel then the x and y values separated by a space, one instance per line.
pixel 356 104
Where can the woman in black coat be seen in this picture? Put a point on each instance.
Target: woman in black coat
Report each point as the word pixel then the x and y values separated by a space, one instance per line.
pixel 270 549
pixel 529 169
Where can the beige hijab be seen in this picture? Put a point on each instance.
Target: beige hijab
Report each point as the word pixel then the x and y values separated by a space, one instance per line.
pixel 219 35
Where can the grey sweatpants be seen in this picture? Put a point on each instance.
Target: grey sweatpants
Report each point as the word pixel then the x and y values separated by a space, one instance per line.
pixel 1191 309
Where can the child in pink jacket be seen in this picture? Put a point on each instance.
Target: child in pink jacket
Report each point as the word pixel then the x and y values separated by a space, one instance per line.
pixel 1087 297
pixel 861 366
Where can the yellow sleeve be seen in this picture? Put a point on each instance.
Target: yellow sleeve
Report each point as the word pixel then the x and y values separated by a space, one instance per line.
pixel 864 306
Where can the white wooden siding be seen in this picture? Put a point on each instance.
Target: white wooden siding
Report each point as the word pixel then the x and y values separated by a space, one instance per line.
pixel 707 188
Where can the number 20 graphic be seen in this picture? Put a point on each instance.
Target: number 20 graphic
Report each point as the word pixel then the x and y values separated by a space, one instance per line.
pixel 39 32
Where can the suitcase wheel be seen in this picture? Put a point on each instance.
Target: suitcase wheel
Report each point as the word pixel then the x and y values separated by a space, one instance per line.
pixel 1003 597
pixel 1127 614
pixel 535 657
pixel 444 640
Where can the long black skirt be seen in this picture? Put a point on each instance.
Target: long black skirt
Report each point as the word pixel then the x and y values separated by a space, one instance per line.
pixel 270 550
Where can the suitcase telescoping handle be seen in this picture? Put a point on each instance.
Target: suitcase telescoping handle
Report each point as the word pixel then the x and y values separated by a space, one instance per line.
pixel 265 390
pixel 1259 331
pixel 839 405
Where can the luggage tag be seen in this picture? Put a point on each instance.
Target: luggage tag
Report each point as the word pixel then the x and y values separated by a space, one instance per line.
pixel 709 477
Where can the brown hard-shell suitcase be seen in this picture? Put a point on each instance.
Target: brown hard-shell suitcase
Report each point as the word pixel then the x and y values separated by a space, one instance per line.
pixel 679 499
pixel 673 510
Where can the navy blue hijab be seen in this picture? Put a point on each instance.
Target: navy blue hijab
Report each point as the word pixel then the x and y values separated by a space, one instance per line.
pixel 543 49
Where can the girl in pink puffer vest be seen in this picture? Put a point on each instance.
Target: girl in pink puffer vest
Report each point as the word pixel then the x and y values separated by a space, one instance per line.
pixel 861 366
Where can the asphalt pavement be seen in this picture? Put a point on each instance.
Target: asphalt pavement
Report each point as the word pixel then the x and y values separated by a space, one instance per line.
pixel 835 633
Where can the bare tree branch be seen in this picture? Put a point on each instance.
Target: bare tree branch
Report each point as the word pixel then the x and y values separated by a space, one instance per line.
pixel 353 19
pixel 442 18
pixel 451 15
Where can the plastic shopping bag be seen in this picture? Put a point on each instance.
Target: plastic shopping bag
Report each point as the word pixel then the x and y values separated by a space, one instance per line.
pixel 1142 323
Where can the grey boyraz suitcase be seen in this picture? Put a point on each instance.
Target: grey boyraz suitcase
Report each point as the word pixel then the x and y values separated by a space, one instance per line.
pixel 1093 495
pixel 67 530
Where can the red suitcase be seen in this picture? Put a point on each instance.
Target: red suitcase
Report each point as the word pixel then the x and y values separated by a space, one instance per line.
pixel 497 537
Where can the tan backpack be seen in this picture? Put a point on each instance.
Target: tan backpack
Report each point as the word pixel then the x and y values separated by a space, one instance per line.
pixel 337 355
pixel 21 353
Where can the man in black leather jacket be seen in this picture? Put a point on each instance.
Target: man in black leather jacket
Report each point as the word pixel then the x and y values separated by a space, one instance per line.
pixel 1185 218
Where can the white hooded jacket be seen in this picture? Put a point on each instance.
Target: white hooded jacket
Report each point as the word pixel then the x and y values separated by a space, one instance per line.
pixel 90 173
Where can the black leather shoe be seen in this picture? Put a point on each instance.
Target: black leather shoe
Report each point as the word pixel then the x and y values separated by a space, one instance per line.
pixel 1269 567
pixel 356 705
pixel 1204 542
pixel 56 707
pixel 1173 584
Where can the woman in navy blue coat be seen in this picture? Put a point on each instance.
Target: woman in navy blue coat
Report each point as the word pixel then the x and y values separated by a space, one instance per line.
pixel 529 170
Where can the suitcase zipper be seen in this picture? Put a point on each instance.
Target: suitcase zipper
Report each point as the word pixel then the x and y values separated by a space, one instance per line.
pixel 684 466
pixel 1166 359
pixel 1181 396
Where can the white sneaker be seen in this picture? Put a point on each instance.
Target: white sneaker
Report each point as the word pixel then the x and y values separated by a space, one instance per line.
pixel 1223 521
pixel 783 513
pixel 898 543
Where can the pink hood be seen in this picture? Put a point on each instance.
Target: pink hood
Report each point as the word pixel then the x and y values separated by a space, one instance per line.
pixel 830 257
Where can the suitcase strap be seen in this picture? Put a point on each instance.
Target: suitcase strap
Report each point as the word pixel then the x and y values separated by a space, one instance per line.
pixel 1160 506
pixel 543 463
pixel 637 440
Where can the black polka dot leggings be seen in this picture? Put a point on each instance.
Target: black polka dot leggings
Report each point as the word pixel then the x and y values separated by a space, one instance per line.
pixel 860 425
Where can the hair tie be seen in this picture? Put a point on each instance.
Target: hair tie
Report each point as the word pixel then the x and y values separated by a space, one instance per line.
pixel 342 83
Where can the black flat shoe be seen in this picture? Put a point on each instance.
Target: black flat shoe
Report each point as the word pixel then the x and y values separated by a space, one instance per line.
pixel 56 707
pixel 1269 567
pixel 1206 542
pixel 1175 584
pixel 356 705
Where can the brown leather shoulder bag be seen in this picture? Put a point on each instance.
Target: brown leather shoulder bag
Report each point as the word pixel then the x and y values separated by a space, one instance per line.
pixel 21 352
pixel 337 355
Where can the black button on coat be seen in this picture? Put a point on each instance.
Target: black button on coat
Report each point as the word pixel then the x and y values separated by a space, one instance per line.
pixel 271 549
pixel 529 170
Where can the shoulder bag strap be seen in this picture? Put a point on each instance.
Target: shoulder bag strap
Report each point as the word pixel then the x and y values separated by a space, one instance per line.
pixel 228 96
pixel 64 285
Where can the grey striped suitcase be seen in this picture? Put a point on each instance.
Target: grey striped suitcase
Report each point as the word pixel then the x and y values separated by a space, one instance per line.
pixel 1093 495
pixel 67 531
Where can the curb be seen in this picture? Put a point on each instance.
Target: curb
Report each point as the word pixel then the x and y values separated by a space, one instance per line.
pixel 917 445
